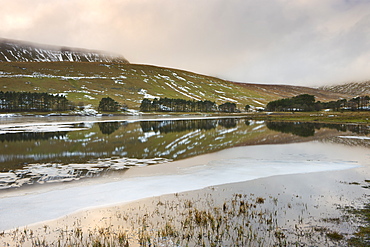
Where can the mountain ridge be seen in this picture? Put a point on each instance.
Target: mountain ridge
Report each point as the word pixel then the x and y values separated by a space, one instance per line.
pixel 20 51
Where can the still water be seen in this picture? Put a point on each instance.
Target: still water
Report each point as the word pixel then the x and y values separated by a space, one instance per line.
pixel 46 152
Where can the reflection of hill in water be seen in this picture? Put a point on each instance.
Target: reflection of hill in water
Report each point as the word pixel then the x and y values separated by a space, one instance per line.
pixel 308 129
pixel 354 142
pixel 101 146
pixel 108 128
pixel 296 128
pixel 171 139
pixel 177 125
pixel 184 125
pixel 31 136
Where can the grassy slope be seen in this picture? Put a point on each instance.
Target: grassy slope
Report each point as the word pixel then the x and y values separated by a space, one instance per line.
pixel 353 88
pixel 89 82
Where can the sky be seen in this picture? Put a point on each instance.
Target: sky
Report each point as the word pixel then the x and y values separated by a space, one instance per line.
pixel 295 42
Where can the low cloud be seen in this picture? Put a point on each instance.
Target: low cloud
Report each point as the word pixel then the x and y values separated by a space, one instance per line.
pixel 301 42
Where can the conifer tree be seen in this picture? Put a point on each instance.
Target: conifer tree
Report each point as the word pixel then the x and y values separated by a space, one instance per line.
pixel 108 104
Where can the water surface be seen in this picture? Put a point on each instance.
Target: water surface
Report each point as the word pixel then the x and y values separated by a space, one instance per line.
pixel 36 152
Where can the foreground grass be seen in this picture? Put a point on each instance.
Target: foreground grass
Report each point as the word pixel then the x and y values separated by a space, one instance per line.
pixel 241 220
pixel 362 237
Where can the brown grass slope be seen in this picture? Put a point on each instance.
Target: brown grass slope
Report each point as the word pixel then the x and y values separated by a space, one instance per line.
pixel 88 82
pixel 353 88
pixel 284 91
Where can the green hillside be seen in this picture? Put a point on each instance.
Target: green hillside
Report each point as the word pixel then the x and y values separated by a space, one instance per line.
pixel 88 82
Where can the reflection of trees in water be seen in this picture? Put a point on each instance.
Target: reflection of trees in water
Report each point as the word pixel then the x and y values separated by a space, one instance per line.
pixel 349 141
pixel 359 129
pixel 178 125
pixel 308 129
pixel 228 122
pixel 296 128
pixel 32 136
pixel 168 126
pixel 108 128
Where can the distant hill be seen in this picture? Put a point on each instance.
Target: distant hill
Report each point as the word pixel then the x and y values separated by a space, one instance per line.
pixel 17 51
pixel 353 88
pixel 85 77
pixel 287 91
pixel 131 83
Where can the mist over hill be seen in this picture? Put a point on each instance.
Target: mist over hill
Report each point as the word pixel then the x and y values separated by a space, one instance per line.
pixel 19 51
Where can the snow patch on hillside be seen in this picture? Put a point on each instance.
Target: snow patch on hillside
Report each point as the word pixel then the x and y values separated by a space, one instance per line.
pixel 147 95
pixel 88 110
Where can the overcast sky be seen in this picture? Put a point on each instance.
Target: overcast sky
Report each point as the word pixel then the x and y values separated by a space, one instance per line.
pixel 298 42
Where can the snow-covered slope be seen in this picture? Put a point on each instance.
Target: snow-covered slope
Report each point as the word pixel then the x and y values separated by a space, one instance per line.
pixel 16 51
pixel 352 88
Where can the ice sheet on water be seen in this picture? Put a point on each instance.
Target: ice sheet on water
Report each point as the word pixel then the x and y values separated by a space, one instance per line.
pixel 43 206
pixel 47 173
pixel 7 177
pixel 6 115
pixel 39 128
pixel 356 137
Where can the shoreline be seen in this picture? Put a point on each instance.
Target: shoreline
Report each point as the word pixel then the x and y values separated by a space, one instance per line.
pixel 349 117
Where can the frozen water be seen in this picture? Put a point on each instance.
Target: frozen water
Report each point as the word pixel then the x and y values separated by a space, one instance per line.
pixel 228 166
pixel 356 137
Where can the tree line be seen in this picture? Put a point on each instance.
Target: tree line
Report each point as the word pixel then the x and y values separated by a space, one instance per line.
pixel 306 102
pixel 27 101
pixel 181 105
pixel 303 102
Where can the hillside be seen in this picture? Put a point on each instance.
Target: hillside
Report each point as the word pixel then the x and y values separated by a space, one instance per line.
pixel 287 91
pixel 130 83
pixel 353 88
pixel 87 76
pixel 17 51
